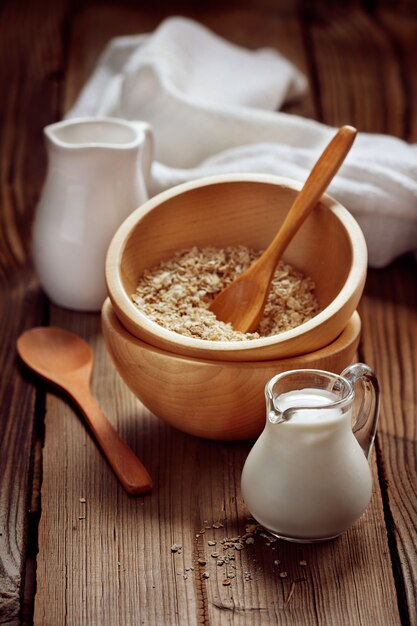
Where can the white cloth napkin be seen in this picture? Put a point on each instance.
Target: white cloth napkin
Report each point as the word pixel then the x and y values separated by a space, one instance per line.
pixel 213 107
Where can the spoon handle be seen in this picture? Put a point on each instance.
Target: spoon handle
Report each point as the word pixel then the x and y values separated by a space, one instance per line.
pixel 242 302
pixel 124 462
pixel 316 184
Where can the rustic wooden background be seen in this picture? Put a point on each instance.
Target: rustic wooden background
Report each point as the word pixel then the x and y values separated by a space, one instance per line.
pixel 108 560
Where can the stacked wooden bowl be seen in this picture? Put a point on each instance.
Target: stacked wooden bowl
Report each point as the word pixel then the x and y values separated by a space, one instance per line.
pixel 214 389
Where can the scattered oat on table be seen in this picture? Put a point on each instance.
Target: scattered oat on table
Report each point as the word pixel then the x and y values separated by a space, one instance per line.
pixel 176 294
pixel 225 556
pixel 176 547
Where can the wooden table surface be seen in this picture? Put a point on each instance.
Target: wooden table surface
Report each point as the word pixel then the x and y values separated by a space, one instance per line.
pixel 74 548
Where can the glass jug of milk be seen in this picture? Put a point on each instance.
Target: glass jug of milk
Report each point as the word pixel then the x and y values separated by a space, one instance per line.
pixel 307 477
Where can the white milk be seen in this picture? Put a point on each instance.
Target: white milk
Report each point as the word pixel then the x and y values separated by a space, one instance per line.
pixel 307 479
pixel 308 399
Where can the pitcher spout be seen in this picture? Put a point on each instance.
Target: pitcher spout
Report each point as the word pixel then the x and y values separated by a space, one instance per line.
pixel 90 132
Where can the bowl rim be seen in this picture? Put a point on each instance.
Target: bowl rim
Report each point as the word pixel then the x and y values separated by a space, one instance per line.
pixel 349 335
pixel 124 306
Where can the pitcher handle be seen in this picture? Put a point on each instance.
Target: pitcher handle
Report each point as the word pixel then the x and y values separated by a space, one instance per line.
pixel 147 153
pixel 364 427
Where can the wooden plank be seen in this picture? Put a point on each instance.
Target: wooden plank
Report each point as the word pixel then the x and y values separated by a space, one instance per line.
pixel 109 559
pixel 389 315
pixel 16 443
pixel 357 73
pixel 388 305
pixel 401 27
pixel 28 101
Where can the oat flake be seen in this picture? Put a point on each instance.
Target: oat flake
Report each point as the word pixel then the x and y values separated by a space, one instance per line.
pixel 176 294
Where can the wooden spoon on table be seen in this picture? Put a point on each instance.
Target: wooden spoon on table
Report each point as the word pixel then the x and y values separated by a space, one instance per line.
pixel 66 360
pixel 243 301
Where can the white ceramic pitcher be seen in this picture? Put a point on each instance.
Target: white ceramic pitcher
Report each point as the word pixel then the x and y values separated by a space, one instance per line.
pixel 307 478
pixel 98 169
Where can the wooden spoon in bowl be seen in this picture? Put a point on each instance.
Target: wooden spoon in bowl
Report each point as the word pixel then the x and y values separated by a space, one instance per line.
pixel 243 301
pixel 66 360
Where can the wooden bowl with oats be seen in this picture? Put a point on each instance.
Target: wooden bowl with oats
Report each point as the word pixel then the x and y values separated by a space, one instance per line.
pixel 160 293
pixel 206 398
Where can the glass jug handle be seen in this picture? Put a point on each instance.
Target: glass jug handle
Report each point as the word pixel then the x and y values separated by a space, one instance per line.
pixel 366 421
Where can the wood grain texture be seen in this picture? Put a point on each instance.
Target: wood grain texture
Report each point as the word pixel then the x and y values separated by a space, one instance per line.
pixel 390 343
pixel 140 533
pixel 402 31
pixel 109 560
pixel 388 307
pixel 158 586
pixel 242 303
pixel 368 95
pixel 66 361
pixel 212 399
pixel 28 98
pixel 105 557
pixel 330 248
pixel 17 399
